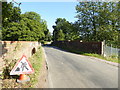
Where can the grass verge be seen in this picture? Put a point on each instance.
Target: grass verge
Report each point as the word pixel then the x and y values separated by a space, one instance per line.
pixel 36 61
pixel 112 58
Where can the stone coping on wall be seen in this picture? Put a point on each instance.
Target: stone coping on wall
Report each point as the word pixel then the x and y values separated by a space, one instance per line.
pixel 17 41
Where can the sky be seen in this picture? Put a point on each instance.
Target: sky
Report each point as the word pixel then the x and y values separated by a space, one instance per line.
pixel 50 11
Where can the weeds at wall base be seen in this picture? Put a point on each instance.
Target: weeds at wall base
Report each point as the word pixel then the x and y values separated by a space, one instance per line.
pixel 10 81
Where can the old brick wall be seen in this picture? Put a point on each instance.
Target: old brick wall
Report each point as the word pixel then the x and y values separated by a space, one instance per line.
pixel 13 51
pixel 87 47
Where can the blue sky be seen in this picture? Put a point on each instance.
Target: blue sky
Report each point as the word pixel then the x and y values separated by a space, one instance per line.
pixel 50 11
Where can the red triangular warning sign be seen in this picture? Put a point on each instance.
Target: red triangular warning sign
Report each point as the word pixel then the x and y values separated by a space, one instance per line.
pixel 23 66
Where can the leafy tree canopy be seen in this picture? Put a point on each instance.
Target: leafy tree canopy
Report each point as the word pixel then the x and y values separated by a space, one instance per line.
pixel 26 27
pixel 97 21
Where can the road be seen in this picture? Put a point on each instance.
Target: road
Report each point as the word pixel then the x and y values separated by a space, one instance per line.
pixel 68 70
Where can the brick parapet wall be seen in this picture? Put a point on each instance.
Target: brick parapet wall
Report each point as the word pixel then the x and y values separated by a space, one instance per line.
pixel 87 47
pixel 13 50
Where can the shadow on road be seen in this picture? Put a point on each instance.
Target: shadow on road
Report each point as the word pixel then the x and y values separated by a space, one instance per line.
pixel 55 47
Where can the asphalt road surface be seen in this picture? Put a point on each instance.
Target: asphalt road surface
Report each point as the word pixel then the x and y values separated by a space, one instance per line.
pixel 68 70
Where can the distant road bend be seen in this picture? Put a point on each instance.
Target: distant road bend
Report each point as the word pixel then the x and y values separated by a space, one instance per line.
pixel 68 70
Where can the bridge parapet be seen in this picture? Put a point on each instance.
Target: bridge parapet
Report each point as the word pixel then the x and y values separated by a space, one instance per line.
pixel 11 51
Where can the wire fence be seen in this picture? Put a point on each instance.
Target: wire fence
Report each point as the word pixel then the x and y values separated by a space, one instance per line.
pixel 110 51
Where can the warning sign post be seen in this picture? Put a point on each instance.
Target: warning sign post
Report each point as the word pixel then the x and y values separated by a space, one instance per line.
pixel 21 68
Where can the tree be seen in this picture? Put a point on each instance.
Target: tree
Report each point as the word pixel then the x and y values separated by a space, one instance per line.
pixel 98 21
pixel 33 29
pixel 10 19
pixel 66 28
pixel 27 27
pixel 12 32
pixel 60 35
pixel 48 36
pixel 32 16
pixel 10 13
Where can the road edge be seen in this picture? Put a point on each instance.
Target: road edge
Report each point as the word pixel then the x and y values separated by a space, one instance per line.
pixel 50 84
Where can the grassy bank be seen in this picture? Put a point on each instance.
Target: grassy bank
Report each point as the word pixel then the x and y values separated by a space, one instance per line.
pixel 36 61
pixel 112 58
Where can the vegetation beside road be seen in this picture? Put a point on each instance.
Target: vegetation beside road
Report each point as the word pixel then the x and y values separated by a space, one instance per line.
pixel 112 58
pixel 36 60
pixel 97 21
pixel 22 27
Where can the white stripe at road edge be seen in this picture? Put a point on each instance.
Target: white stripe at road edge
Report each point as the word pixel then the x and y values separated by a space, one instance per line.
pixel 49 75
